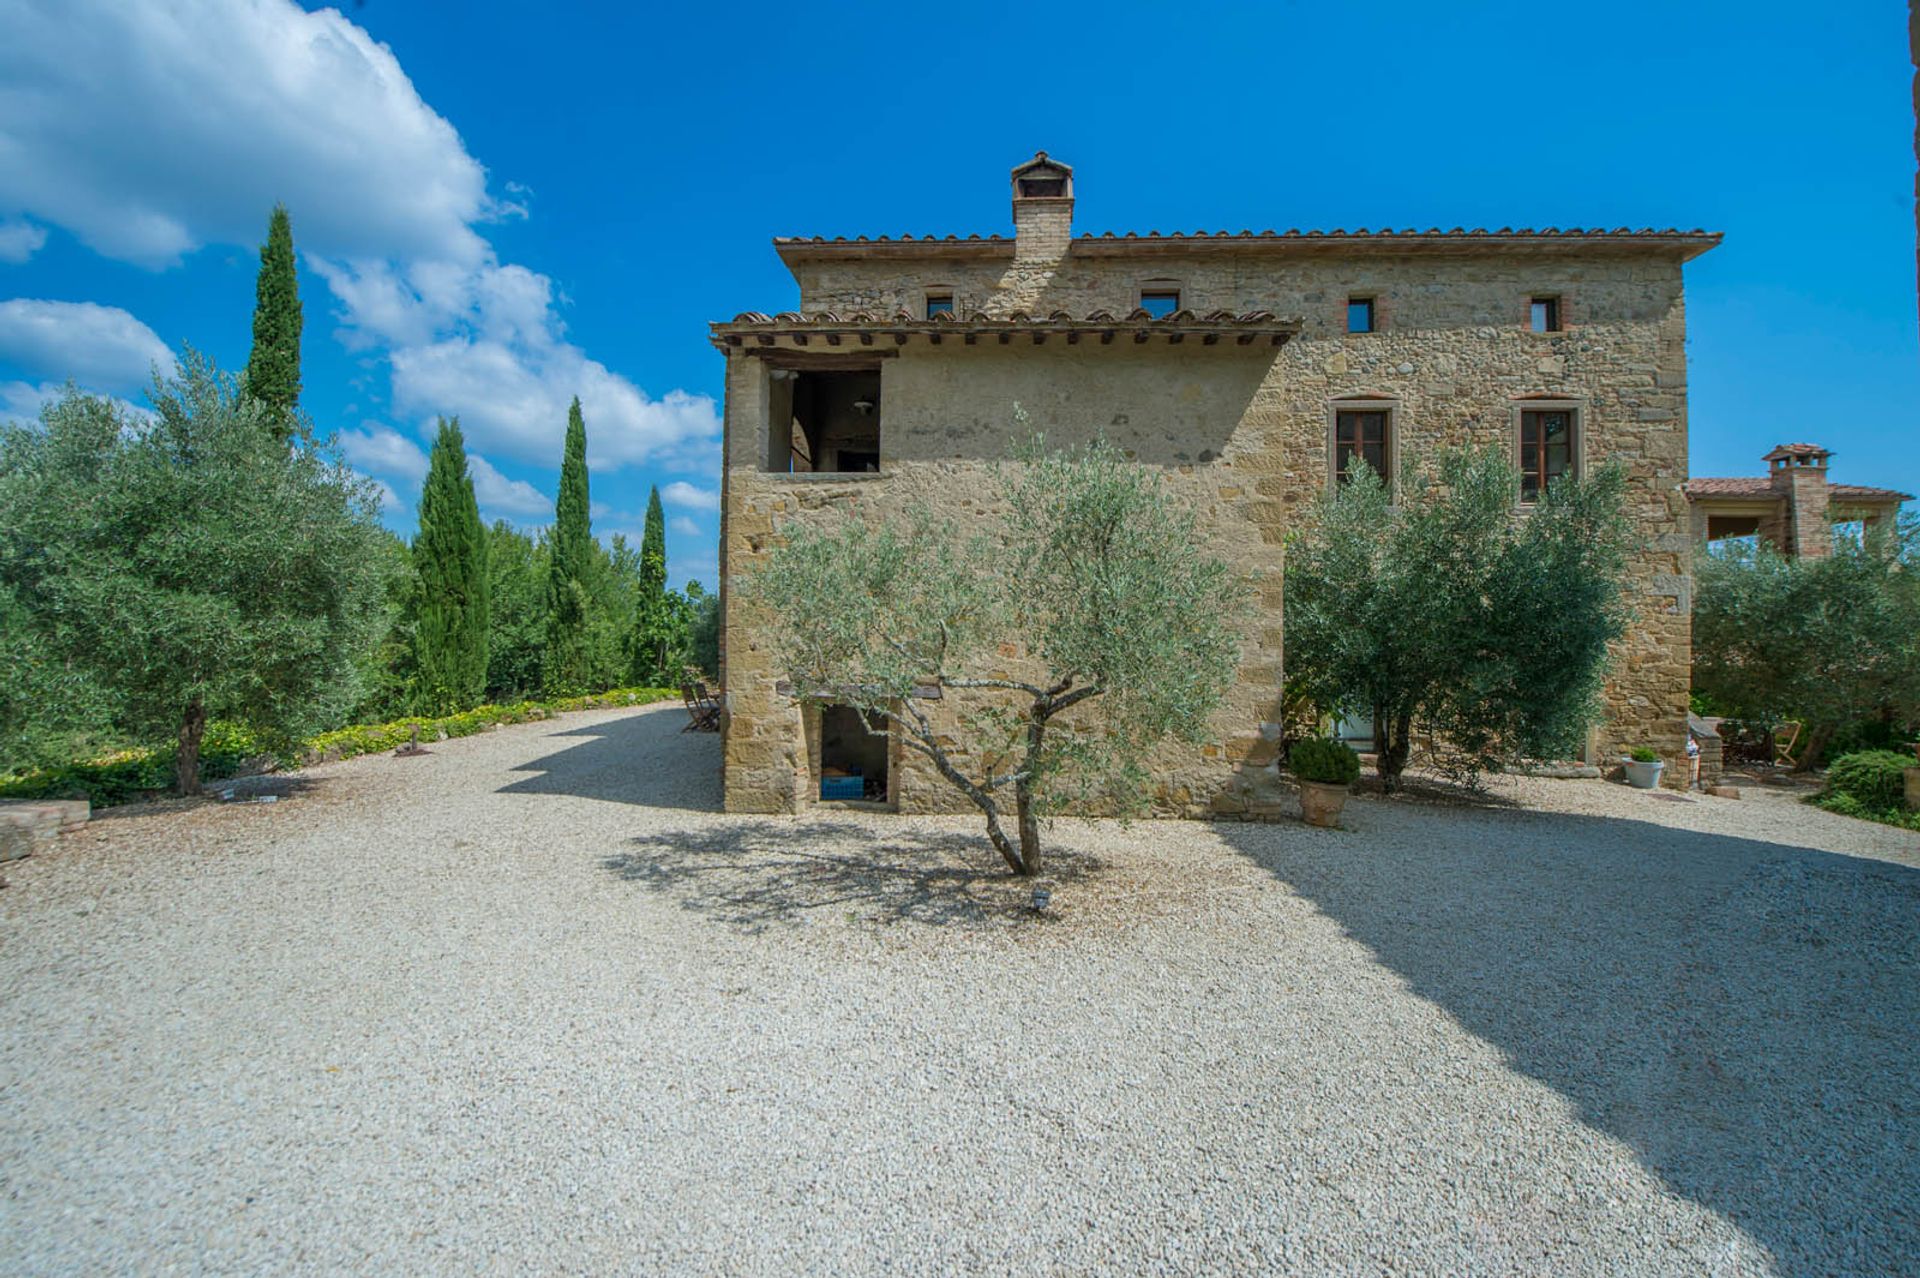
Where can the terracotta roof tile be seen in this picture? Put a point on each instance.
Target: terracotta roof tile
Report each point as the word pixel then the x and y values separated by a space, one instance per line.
pixel 1761 486
pixel 1478 232
pixel 1860 492
pixel 1244 327
pixel 1743 486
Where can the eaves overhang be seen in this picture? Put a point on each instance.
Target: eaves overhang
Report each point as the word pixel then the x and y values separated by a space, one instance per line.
pixel 754 330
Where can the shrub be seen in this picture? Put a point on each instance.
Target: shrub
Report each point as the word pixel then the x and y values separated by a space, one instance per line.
pixel 1872 778
pixel 1644 754
pixel 1324 760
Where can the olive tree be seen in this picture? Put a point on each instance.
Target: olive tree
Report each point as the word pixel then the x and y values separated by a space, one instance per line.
pixel 1449 612
pixel 1830 640
pixel 190 564
pixel 1085 627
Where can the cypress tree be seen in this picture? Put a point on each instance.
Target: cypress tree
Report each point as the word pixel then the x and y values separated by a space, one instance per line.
pixel 651 617
pixel 273 369
pixel 563 670
pixel 450 555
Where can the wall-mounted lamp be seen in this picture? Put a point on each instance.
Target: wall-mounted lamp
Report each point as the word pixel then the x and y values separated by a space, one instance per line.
pixel 863 406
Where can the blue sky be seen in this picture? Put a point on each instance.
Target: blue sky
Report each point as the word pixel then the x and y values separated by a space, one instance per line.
pixel 501 205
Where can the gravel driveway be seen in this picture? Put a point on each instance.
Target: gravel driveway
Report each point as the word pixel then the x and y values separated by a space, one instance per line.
pixel 529 1005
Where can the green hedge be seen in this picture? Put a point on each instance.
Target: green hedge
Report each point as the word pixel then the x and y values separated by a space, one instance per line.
pixel 227 749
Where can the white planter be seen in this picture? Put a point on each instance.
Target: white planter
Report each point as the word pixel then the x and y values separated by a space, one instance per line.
pixel 1644 776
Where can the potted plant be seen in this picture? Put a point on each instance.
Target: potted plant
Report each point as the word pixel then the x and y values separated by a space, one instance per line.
pixel 1325 769
pixel 1644 766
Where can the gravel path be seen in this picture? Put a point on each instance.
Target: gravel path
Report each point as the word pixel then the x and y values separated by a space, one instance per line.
pixel 528 1005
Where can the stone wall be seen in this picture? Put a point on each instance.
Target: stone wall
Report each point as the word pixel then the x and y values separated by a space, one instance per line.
pixel 1244 434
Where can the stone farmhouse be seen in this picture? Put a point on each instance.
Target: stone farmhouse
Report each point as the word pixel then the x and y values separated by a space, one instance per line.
pixel 1792 506
pixel 1250 366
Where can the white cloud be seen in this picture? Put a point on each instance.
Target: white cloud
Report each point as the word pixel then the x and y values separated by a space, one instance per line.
pixel 499 495
pixel 94 345
pixel 149 130
pixel 684 526
pixel 22 401
pixel 512 399
pixel 20 239
pixel 384 452
pixel 691 496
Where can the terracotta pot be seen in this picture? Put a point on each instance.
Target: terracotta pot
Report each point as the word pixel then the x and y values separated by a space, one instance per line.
pixel 1644 776
pixel 1320 803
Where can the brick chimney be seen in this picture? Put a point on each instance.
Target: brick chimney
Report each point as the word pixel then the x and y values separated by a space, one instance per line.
pixel 1799 474
pixel 1042 210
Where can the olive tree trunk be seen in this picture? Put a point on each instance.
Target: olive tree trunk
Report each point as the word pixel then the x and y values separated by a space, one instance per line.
pixel 186 756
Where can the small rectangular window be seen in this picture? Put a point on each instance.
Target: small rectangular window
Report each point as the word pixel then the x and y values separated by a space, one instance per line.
pixel 1359 314
pixel 1160 303
pixel 939 304
pixel 1362 433
pixel 1546 314
pixel 1546 449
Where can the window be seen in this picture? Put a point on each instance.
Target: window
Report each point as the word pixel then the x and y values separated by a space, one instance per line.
pixel 1546 449
pixel 825 420
pixel 1546 315
pixel 1359 314
pixel 1160 302
pixel 1364 434
pixel 939 304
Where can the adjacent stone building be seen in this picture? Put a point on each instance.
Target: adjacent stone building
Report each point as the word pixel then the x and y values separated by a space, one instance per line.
pixel 1792 506
pixel 1250 367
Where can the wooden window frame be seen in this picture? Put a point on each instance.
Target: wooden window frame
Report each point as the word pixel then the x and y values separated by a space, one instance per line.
pixel 1576 447
pixel 1385 405
pixel 1558 304
pixel 1372 302
pixel 932 295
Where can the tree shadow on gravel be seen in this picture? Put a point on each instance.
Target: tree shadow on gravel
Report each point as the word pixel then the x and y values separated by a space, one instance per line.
pixel 1741 1013
pixel 642 758
pixel 757 874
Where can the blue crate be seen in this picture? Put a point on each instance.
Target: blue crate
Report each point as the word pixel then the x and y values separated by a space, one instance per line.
pixel 843 788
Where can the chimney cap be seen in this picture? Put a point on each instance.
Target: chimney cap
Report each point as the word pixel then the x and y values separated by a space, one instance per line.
pixel 1042 178
pixel 1805 454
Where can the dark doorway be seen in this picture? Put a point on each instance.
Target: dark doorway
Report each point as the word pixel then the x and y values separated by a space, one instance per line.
pixel 853 757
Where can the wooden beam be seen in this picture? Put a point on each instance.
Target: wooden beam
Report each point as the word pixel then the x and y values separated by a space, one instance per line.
pixel 1140 336
pixel 1039 337
pixel 1005 337
pixel 971 338
pixel 1245 339
pixel 866 338
pixel 1106 337
pixel 850 361
pixel 1174 339
pixel 833 339
pixel 800 339
pixel 899 339
pixel 1073 337
pixel 1210 339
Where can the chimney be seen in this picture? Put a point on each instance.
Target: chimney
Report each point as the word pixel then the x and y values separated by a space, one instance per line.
pixel 1799 474
pixel 1042 210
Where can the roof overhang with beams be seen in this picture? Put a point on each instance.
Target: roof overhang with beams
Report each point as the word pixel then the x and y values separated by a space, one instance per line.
pixel 754 332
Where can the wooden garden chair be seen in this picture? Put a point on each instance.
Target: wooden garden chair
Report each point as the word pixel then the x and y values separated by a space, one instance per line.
pixel 1786 740
pixel 703 712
